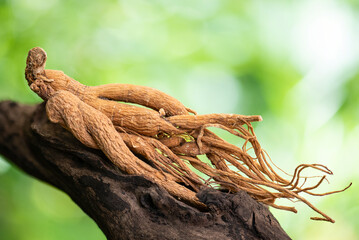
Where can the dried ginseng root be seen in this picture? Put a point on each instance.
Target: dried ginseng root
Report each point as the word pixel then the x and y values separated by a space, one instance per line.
pixel 168 137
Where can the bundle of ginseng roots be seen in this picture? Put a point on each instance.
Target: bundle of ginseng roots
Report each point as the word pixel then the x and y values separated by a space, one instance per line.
pixel 163 140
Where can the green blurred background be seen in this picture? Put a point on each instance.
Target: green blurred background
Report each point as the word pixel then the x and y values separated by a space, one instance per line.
pixel 293 62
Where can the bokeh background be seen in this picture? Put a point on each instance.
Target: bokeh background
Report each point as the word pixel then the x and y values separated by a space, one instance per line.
pixel 293 62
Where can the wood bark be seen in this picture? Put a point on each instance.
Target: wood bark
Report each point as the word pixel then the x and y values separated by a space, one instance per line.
pixel 124 206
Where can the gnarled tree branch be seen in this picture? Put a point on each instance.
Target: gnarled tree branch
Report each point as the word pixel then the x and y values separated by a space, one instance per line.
pixel 124 206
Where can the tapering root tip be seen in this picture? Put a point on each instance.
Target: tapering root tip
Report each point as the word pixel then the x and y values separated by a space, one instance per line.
pixel 323 219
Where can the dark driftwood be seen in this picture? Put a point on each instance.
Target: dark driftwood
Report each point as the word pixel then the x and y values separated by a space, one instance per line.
pixel 123 206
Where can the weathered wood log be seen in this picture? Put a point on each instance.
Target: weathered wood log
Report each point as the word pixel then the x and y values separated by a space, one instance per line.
pixel 124 206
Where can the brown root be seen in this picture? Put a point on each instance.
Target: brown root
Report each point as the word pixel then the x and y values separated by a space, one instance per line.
pixel 163 141
pixel 96 130
pixel 141 95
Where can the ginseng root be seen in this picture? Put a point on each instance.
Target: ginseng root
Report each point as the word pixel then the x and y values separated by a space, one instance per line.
pixel 168 138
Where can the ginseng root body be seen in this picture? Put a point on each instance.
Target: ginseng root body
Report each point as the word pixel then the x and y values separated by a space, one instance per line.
pixel 170 139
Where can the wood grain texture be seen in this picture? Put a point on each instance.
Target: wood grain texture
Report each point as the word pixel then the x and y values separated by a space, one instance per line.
pixel 124 206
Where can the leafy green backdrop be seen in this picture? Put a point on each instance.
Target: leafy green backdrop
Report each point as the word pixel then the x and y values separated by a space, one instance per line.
pixel 293 62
